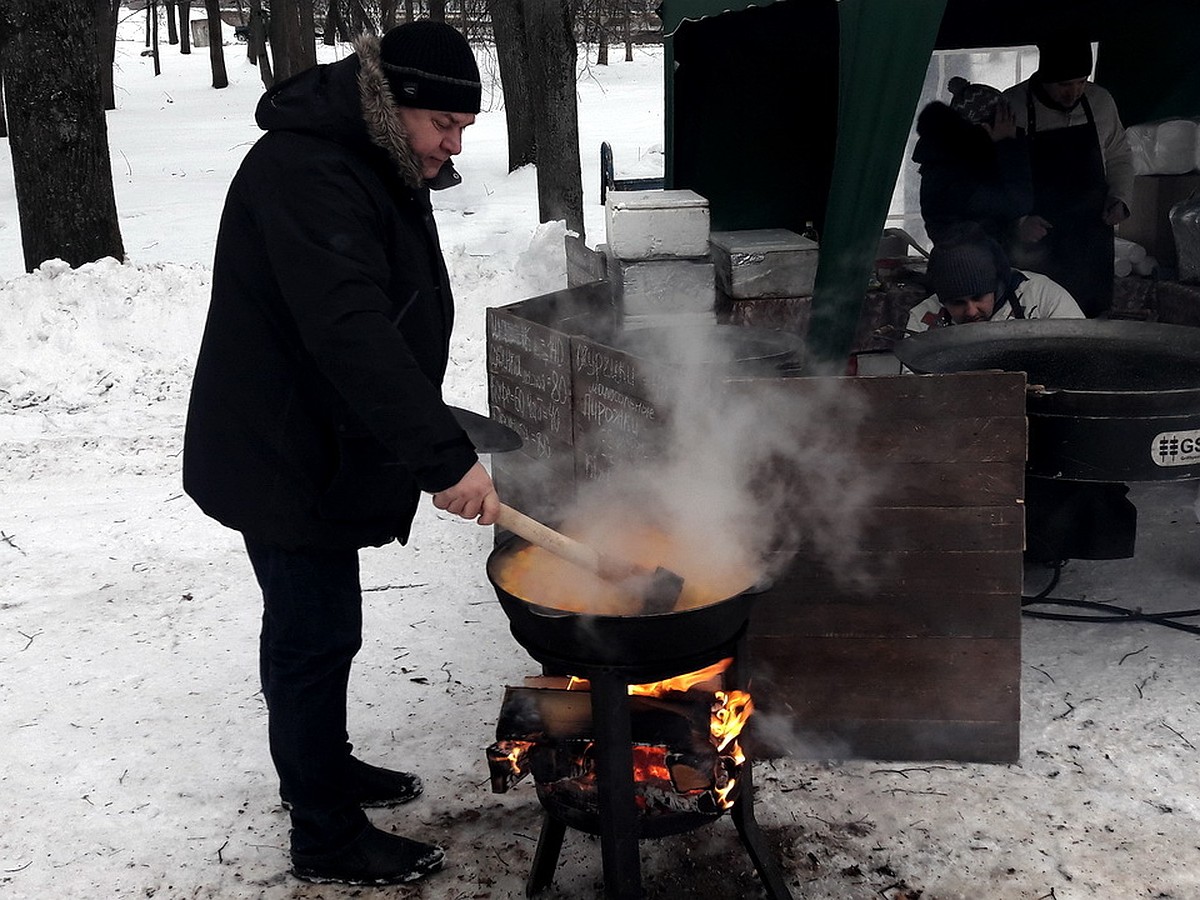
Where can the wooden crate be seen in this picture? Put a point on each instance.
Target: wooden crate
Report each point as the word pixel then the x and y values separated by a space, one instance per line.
pixel 918 658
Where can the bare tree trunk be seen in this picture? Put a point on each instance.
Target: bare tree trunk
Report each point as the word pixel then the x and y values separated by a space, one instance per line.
pixel 257 43
pixel 107 12
pixel 216 49
pixel 549 29
pixel 172 33
pixel 185 26
pixel 333 24
pixel 293 42
pixel 409 15
pixel 437 10
pixel 387 15
pixel 360 22
pixel 628 32
pixel 512 54
pixel 59 139
pixel 152 35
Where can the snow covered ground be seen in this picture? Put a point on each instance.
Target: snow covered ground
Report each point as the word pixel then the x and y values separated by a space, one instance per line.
pixel 133 758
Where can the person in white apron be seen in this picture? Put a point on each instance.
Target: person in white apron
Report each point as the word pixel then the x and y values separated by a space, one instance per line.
pixel 1082 173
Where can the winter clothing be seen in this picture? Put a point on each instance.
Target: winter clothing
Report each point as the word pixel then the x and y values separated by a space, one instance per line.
pixel 968 177
pixel 1081 164
pixel 1028 295
pixel 962 270
pixel 430 66
pixel 316 416
pixel 1064 59
pixel 974 102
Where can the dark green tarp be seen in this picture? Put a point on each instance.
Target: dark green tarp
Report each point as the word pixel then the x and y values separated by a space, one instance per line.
pixel 795 110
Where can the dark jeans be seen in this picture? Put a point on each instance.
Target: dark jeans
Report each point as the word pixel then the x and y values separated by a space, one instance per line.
pixel 311 630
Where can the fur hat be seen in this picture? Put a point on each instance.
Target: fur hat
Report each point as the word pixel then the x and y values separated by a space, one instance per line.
pixel 429 65
pixel 963 268
pixel 1064 59
pixel 974 102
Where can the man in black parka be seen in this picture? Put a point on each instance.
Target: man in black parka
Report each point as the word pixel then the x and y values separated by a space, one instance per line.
pixel 316 417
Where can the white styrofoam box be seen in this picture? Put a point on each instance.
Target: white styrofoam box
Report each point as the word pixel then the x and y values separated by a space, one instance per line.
pixel 656 224
pixel 673 285
pixel 765 262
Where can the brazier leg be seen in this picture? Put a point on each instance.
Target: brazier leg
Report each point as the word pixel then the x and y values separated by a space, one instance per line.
pixel 752 838
pixel 614 783
pixel 545 858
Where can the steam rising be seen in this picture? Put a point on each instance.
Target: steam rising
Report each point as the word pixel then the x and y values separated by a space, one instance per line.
pixel 751 464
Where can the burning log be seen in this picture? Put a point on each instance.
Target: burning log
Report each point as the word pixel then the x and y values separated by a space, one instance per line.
pixel 678 720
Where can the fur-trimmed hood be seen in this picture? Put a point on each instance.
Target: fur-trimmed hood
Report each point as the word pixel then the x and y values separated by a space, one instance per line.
pixel 349 101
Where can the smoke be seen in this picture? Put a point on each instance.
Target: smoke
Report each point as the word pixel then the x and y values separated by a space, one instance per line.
pixel 749 464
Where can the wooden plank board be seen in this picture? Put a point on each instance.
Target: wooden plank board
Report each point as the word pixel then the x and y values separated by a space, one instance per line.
pixel 937 572
pixel 961 613
pixel 965 483
pixel 910 740
pixel 921 397
pixel 967 679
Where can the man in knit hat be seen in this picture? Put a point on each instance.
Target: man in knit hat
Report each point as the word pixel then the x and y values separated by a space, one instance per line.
pixel 1082 171
pixel 973 282
pixel 316 418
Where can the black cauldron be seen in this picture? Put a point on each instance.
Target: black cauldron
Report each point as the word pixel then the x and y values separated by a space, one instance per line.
pixel 654 646
pixel 1108 401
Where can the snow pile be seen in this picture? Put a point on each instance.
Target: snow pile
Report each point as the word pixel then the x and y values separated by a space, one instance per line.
pixel 70 337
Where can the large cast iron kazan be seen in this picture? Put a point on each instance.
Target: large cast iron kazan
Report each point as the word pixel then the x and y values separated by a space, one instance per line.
pixel 657 645
pixel 1109 400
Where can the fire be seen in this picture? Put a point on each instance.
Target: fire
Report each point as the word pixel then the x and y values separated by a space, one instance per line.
pixel 698 766
pixel 650 763
pixel 682 683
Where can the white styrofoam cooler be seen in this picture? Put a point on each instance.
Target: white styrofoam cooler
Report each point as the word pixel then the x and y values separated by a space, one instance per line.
pixel 656 224
pixel 765 262
pixel 676 284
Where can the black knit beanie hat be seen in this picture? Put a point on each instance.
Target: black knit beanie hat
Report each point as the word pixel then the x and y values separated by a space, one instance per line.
pixel 1064 59
pixel 962 269
pixel 974 102
pixel 429 65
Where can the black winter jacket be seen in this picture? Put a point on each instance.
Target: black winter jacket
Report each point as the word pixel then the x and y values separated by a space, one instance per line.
pixel 968 177
pixel 315 416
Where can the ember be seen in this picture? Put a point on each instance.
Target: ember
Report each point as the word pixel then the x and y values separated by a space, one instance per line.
pixel 685 757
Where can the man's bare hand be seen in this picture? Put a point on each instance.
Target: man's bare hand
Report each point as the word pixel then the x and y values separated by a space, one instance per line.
pixel 1031 229
pixel 474 497
pixel 1003 124
pixel 1115 213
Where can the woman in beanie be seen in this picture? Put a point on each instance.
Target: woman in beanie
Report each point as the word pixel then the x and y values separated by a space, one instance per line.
pixel 974 163
pixel 973 282
pixel 1082 171
pixel 316 418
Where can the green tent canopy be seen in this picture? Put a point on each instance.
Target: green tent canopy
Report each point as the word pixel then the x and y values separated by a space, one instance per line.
pixel 782 112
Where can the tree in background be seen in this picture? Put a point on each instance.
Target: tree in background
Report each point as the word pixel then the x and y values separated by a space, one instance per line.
pixel 292 31
pixel 107 12
pixel 172 33
pixel 216 50
pixel 552 56
pixel 59 140
pixel 512 53
pixel 185 25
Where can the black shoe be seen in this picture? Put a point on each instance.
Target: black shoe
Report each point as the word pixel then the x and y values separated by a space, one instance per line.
pixel 373 787
pixel 377 788
pixel 374 857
